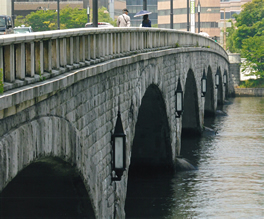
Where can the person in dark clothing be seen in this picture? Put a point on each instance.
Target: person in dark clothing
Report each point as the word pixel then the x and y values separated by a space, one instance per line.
pixel 146 22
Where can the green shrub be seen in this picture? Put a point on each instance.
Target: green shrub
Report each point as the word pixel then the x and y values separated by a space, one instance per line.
pixel 252 83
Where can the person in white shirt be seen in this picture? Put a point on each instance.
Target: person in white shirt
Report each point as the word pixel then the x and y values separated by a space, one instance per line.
pixel 123 20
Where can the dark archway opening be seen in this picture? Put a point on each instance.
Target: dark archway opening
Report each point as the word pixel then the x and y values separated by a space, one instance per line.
pixel 209 110
pixel 220 95
pixel 48 188
pixel 151 159
pixel 190 117
pixel 151 146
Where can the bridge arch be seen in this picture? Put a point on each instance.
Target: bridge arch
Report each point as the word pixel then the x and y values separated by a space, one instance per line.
pixel 191 118
pixel 48 187
pixel 152 144
pixel 45 136
pixel 220 95
pixel 209 104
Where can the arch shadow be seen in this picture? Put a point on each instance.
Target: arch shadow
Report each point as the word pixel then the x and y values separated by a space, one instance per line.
pixel 209 110
pixel 151 158
pixel 47 188
pixel 190 117
pixel 220 95
pixel 31 153
pixel 151 145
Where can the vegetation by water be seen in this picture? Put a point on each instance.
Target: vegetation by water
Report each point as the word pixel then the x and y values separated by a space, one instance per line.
pixel 252 83
pixel 246 36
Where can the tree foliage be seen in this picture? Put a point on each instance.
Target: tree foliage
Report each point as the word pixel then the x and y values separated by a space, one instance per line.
pixel 104 16
pixel 43 20
pixel 253 51
pixel 248 36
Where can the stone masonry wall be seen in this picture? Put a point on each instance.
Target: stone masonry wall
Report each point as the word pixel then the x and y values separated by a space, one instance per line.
pixel 72 117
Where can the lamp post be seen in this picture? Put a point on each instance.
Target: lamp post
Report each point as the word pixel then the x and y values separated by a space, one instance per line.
pixel 118 140
pixel 171 14
pixel 199 11
pixel 95 13
pixel 179 99
pixel 88 14
pixel 145 5
pixel 58 13
pixel 203 84
pixel 217 79
pixel 188 22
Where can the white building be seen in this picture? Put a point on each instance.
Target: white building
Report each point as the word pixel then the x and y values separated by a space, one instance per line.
pixel 5 8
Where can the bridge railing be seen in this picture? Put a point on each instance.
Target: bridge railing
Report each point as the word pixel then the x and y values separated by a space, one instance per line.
pixel 29 58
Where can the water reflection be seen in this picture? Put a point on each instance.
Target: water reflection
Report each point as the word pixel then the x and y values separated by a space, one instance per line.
pixel 229 181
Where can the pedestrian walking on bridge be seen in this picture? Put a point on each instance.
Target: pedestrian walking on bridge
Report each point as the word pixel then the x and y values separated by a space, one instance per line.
pixel 123 20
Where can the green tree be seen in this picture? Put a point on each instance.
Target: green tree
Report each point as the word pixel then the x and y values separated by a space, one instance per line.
pixel 42 20
pixel 249 22
pixel 20 20
pixel 72 18
pixel 249 36
pixel 230 40
pixel 253 51
pixel 104 16
pixel 69 18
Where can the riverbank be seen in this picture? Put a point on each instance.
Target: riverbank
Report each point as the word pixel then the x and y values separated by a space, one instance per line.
pixel 249 92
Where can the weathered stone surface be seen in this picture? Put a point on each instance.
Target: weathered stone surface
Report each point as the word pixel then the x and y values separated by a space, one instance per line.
pixel 75 119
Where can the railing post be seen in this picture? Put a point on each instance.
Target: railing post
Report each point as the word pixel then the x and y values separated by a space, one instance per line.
pixel 98 46
pixel 118 43
pixel 83 49
pixel 41 57
pixel 9 63
pixel 111 43
pixel 57 54
pixel 107 36
pixel 77 38
pixel 71 51
pixel 88 48
pixel 20 61
pixel 47 56
pixel 93 46
pixel 63 52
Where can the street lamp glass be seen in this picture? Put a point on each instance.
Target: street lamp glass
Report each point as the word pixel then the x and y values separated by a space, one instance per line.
pixel 217 79
pixel 203 84
pixel 119 153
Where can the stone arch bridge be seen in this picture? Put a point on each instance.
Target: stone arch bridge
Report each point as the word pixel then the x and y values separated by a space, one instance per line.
pixel 62 90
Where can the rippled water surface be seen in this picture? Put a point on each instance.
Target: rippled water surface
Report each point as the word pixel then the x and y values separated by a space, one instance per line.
pixel 229 182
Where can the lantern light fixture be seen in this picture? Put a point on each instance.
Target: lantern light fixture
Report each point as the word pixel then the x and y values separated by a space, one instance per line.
pixel 217 79
pixel 203 84
pixel 179 99
pixel 225 78
pixel 118 141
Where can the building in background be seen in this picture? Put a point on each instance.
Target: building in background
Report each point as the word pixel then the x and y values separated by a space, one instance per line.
pixel 135 6
pixel 25 7
pixel 5 8
pixel 231 7
pixel 209 16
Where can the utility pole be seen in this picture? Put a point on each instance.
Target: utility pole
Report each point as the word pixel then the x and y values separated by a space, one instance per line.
pixel 199 11
pixel 171 14
pixel 188 22
pixel 58 13
pixel 145 5
pixel 95 13
pixel 224 30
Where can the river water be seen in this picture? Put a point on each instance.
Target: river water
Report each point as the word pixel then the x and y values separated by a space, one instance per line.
pixel 229 182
